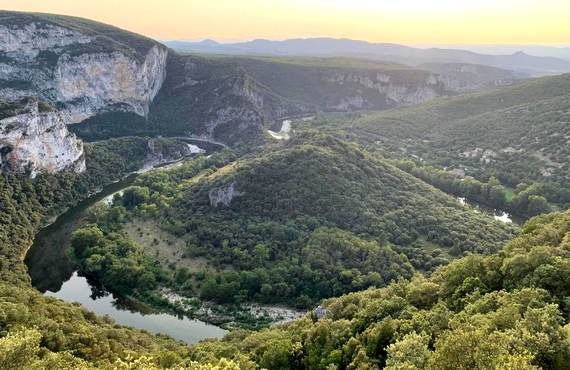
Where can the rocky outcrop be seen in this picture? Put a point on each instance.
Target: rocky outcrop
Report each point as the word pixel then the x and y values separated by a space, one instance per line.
pixel 223 195
pixel 34 138
pixel 462 77
pixel 162 151
pixel 27 41
pixel 80 68
pixel 381 90
pixel 94 83
pixel 81 74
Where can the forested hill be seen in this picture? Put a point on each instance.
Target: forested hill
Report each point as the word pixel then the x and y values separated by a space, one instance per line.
pixel 505 310
pixel 517 134
pixel 509 310
pixel 293 223
pixel 324 178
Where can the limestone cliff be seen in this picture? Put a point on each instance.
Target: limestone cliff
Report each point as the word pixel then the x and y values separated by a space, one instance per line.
pixel 373 90
pixel 462 77
pixel 223 195
pixel 34 138
pixel 81 67
pixel 340 85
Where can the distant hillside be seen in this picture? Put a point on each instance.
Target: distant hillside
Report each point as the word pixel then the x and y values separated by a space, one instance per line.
pixel 536 50
pixel 233 99
pixel 519 134
pixel 519 62
pixel 472 77
pixel 342 84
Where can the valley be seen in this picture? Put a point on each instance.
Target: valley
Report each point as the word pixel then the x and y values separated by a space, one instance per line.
pixel 256 206
pixel 514 136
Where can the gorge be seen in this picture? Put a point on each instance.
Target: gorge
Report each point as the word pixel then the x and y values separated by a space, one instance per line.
pixel 166 209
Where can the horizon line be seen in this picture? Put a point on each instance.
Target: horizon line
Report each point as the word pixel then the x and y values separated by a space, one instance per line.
pixel 224 41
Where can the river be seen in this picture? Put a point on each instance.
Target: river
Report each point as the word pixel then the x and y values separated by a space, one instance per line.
pixel 77 289
pixel 284 133
pixel 54 273
pixel 497 214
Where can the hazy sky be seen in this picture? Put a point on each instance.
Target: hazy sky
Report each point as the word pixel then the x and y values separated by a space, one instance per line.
pixel 403 21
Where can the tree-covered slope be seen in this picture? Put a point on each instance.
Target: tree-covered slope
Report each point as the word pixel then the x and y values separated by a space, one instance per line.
pixel 509 310
pixel 293 223
pixel 518 134
pixel 339 185
pixel 36 331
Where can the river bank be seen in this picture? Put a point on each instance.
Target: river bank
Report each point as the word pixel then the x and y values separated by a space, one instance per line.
pixel 247 315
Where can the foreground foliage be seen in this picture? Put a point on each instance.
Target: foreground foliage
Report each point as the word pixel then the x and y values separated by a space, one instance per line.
pixel 505 310
pixel 509 310
pixel 36 331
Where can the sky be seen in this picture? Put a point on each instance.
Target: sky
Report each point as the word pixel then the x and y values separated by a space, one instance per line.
pixel 399 21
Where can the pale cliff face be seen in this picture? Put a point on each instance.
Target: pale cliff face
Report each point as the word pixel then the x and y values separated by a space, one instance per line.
pixel 34 140
pixel 27 41
pixel 92 83
pixel 223 195
pixel 64 67
pixel 394 90
pixel 79 73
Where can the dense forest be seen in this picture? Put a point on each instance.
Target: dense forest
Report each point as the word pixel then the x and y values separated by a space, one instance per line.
pixel 485 312
pixel 292 223
pixel 353 219
pixel 516 136
pixel 508 310
pixel 39 332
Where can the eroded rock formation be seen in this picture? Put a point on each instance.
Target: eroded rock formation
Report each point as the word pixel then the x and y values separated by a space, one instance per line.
pixel 34 138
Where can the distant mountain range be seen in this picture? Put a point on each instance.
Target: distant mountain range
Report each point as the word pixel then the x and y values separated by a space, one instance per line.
pixel 536 50
pixel 518 61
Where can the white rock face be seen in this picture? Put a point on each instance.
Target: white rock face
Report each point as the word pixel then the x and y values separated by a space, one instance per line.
pixel 223 195
pixel 33 141
pixel 99 81
pixel 27 41
pixel 42 60
pixel 395 92
pixel 81 75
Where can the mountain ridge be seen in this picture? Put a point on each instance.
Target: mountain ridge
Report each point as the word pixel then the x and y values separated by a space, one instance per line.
pixel 521 63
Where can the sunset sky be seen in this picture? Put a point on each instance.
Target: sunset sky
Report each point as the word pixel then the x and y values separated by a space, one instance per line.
pixel 401 21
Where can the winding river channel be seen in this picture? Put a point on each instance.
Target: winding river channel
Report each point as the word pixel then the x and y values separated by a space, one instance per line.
pixel 54 273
